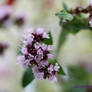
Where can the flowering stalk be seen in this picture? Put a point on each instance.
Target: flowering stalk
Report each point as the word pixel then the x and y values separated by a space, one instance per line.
pixel 36 54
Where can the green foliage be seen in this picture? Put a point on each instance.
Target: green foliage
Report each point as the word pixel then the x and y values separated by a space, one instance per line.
pixel 28 77
pixel 64 15
pixel 54 61
pixel 76 25
pixel 78 73
pixel 61 71
pixel 77 77
pixel 48 41
pixel 72 26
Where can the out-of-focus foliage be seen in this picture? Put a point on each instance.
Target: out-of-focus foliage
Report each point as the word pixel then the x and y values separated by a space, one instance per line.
pixel 78 81
pixel 64 15
pixel 77 47
pixel 71 24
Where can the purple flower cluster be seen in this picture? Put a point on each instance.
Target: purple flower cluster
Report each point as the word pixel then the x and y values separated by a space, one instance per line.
pixel 36 55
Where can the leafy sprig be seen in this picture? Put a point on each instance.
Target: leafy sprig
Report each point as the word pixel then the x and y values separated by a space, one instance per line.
pixel 72 22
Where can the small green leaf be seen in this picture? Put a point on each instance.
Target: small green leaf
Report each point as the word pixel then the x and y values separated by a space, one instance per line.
pixel 64 15
pixel 28 77
pixel 61 72
pixel 52 61
pixel 48 41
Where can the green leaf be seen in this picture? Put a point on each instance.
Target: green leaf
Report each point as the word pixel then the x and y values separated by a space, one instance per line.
pixel 28 77
pixel 76 25
pixel 52 61
pixel 64 15
pixel 48 41
pixel 61 72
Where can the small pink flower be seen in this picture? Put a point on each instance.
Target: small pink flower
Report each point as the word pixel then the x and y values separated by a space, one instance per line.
pixel 44 63
pixel 31 57
pixel 37 45
pixel 40 52
pixel 27 63
pixel 24 50
pixel 50 69
pixel 56 67
pixel 38 58
pixel 44 47
pixel 39 75
pixel 45 35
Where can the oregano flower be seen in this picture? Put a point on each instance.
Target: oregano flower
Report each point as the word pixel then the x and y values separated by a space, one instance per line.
pixel 36 55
